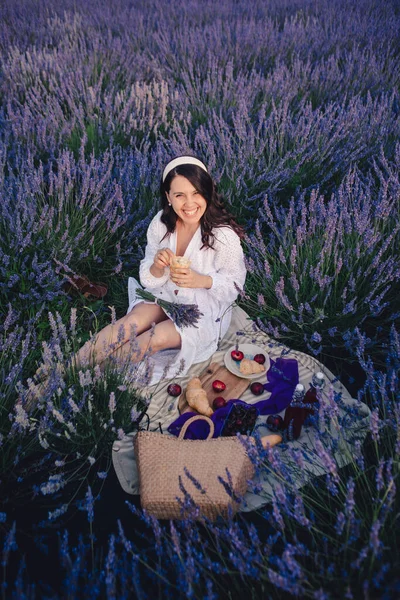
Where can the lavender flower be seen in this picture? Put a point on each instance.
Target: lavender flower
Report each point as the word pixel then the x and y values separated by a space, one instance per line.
pixel 9 544
pixel 21 420
pixel 112 404
pixel 53 515
pixel 316 337
pixel 340 523
pixel 88 506
pixel 327 460
pixel 374 541
pixel 111 568
pixel 73 321
pixel 53 485
pixel 279 290
pixel 374 425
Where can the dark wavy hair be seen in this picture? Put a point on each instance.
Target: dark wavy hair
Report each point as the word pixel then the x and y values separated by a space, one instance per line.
pixel 215 215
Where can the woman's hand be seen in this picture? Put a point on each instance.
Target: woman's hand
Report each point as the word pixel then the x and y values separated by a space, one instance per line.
pixel 187 278
pixel 163 258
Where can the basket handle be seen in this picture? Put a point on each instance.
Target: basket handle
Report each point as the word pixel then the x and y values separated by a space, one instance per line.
pixel 197 418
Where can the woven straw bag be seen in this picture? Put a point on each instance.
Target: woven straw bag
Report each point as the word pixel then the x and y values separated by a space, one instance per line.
pixel 162 459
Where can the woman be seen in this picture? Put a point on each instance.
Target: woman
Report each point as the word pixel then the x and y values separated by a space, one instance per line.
pixel 192 223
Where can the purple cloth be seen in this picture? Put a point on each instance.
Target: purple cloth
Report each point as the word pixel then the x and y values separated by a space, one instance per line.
pixel 282 378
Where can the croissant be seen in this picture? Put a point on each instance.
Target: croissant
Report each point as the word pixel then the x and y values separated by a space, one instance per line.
pixel 271 440
pixel 268 441
pixel 248 367
pixel 197 398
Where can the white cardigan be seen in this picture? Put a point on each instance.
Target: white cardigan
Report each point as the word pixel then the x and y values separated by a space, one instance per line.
pixel 224 263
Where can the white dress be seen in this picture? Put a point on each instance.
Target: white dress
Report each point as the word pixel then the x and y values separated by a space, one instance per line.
pixel 224 263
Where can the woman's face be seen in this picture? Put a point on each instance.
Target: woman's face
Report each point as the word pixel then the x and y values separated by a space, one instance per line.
pixel 186 201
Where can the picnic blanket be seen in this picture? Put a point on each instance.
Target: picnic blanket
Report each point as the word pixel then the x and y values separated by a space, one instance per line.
pixel 300 460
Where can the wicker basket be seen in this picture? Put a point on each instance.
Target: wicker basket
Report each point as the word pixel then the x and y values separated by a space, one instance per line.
pixel 162 459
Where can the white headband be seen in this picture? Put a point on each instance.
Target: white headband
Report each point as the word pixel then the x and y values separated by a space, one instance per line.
pixel 183 160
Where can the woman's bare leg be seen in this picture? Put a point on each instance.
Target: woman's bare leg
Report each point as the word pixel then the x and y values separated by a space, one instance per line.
pixel 113 336
pixel 164 335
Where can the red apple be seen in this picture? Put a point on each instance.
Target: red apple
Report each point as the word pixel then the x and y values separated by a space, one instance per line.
pixel 237 355
pixel 174 389
pixel 218 386
pixel 218 402
pixel 257 388
pixel 274 422
pixel 260 359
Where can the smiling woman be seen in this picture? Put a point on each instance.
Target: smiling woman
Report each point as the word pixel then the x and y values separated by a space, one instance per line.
pixel 188 204
pixel 194 227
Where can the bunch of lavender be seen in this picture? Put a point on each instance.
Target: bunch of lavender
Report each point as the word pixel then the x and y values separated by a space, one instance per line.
pixel 183 315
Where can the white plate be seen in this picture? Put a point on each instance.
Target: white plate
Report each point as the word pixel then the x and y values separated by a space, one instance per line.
pixel 249 351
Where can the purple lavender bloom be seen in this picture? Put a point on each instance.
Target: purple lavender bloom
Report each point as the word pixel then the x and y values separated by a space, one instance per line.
pixel 285 583
pixel 111 568
pixel 53 515
pixel 379 475
pixel 299 512
pixel 340 523
pixel 316 337
pixel 53 485
pixel 195 482
pixel 9 544
pixel 350 501
pixel 88 505
pixel 374 425
pixel 374 541
pixel 279 290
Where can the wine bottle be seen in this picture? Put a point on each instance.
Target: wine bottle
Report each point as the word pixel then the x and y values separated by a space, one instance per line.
pixel 316 385
pixel 295 414
pixel 318 380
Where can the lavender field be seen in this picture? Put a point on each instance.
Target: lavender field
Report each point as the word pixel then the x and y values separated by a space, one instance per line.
pixel 295 107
